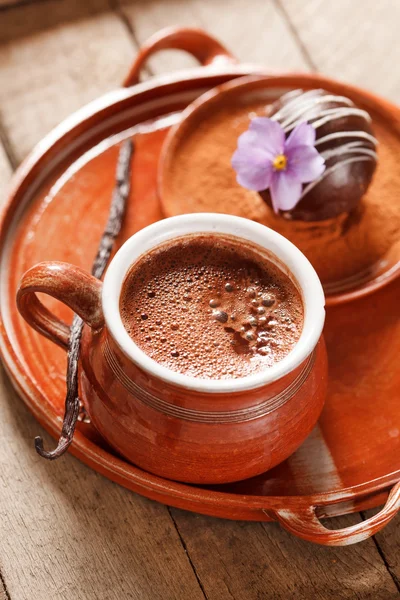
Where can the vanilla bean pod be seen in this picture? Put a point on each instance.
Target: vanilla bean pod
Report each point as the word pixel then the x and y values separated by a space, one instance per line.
pixel 112 229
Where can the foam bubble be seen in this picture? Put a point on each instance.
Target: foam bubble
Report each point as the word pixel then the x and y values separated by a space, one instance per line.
pixel 201 308
pixel 220 315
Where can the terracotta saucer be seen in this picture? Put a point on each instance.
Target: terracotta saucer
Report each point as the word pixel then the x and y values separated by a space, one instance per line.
pixel 56 210
pixel 354 255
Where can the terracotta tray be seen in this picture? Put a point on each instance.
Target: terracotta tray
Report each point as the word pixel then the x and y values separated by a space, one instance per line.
pixel 56 210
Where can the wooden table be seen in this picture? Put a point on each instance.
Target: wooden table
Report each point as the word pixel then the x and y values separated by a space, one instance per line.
pixel 65 531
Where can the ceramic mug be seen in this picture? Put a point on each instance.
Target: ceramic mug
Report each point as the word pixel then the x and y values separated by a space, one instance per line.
pixel 174 425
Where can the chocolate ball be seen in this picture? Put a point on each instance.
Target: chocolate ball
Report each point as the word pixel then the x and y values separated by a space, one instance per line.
pixel 345 140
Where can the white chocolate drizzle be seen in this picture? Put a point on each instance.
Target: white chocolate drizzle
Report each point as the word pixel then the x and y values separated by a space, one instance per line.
pixel 327 172
pixel 347 134
pixel 298 109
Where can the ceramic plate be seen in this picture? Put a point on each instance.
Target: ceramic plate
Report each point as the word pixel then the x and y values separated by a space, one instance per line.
pixel 57 209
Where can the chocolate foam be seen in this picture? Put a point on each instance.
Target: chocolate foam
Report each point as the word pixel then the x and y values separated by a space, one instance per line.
pixel 211 307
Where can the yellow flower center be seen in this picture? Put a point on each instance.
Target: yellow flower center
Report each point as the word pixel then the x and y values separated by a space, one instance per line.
pixel 280 162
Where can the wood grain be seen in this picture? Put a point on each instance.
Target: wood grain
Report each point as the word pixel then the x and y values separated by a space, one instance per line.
pixel 356 42
pixel 258 34
pixel 254 560
pixel 54 57
pixel 353 41
pixel 9 3
pixel 388 542
pixel 12 3
pixel 5 174
pixel 271 29
pixel 66 532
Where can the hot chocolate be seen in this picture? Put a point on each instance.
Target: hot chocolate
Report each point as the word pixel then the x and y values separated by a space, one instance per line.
pixel 211 306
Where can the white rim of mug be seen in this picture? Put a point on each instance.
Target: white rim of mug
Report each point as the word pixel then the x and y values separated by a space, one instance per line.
pixel 277 246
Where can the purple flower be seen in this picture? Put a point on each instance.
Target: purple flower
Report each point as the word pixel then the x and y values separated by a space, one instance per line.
pixel 264 159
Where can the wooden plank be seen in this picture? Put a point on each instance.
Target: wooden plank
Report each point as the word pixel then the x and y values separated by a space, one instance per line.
pixel 4 4
pixel 253 560
pixel 54 57
pixel 5 174
pixel 388 542
pixel 362 48
pixel 3 591
pixel 353 41
pixel 262 34
pixel 258 34
pixel 9 3
pixel 66 532
pixel 110 543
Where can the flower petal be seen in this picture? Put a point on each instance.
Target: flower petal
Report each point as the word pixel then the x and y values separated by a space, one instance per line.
pixel 302 135
pixel 305 163
pixel 253 169
pixel 285 191
pixel 250 142
pixel 269 134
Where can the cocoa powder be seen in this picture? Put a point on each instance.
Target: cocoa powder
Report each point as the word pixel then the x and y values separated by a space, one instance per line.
pixel 200 179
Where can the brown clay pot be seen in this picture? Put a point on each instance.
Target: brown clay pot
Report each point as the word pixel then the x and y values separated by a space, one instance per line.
pixel 173 425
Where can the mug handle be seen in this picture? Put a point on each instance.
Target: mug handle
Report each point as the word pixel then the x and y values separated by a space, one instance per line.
pixel 71 285
pixel 196 42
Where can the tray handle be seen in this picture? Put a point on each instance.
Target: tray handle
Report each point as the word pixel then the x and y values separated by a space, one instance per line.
pixel 305 524
pixel 197 42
